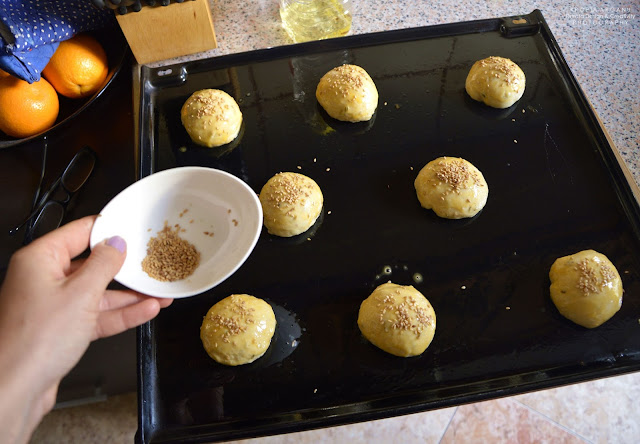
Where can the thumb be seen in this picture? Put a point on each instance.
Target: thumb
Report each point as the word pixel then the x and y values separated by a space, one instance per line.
pixel 102 265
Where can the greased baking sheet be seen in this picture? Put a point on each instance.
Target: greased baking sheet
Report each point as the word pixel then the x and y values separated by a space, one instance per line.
pixel 555 188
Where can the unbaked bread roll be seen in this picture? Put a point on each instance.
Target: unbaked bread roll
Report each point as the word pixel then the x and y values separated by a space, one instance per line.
pixel 496 81
pixel 397 319
pixel 586 288
pixel 452 187
pixel 291 203
pixel 211 117
pixel 347 93
pixel 238 329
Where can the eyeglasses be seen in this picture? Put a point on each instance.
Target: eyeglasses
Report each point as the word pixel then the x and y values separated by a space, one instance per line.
pixel 48 213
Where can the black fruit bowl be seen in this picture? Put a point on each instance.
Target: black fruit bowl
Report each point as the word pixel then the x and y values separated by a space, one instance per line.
pixel 115 45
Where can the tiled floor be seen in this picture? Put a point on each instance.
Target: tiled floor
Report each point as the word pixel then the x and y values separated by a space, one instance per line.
pixel 600 411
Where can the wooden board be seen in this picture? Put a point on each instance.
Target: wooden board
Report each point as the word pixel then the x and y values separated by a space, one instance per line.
pixel 163 32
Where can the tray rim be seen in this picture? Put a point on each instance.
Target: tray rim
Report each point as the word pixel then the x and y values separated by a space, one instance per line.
pixel 307 419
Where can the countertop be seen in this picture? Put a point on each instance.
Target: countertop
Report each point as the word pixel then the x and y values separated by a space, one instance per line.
pixel 601 43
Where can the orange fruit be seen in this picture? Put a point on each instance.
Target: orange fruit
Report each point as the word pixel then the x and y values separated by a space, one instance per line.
pixel 78 68
pixel 26 108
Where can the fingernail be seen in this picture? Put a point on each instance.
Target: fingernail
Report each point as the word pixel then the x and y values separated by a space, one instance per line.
pixel 118 243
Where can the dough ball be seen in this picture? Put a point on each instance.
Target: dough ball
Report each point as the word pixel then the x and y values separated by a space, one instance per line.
pixel 347 93
pixel 586 288
pixel 397 319
pixel 291 203
pixel 452 187
pixel 496 81
pixel 211 117
pixel 238 329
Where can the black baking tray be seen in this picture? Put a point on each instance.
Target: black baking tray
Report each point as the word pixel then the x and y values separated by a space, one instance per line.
pixel 556 186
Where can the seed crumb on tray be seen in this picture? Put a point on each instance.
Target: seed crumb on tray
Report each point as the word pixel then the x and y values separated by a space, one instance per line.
pixel 169 257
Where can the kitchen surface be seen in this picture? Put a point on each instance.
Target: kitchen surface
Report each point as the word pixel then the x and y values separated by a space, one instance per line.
pixel 600 42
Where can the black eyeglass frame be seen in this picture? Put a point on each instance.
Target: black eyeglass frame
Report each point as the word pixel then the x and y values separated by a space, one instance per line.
pixel 45 201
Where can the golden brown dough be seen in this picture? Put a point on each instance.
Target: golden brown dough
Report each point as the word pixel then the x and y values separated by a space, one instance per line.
pixel 238 329
pixel 397 319
pixel 211 117
pixel 495 81
pixel 291 203
pixel 586 288
pixel 348 93
pixel 452 187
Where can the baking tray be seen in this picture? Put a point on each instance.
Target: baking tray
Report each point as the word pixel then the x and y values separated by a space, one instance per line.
pixel 556 186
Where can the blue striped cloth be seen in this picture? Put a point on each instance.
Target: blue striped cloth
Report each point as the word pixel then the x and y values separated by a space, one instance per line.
pixel 31 30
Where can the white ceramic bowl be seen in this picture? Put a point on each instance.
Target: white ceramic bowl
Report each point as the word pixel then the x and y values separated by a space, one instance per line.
pixel 201 200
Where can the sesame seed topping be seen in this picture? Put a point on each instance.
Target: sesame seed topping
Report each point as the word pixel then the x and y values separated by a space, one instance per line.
pixel 288 188
pixel 236 323
pixel 588 279
pixel 455 173
pixel 205 105
pixel 232 326
pixel 351 74
pixel 402 312
pixel 346 78
pixel 504 69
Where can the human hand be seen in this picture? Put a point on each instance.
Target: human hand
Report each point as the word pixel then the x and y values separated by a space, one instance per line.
pixel 52 307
